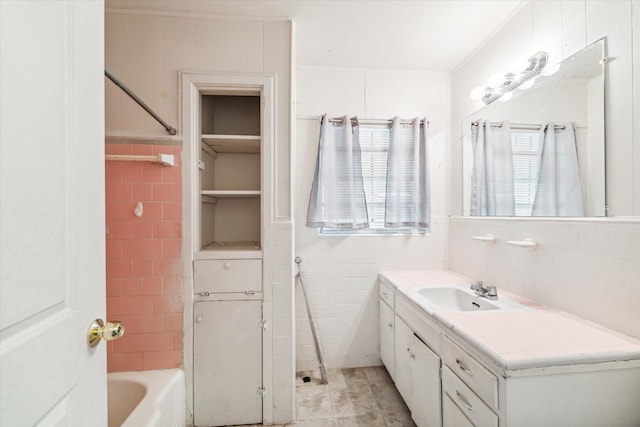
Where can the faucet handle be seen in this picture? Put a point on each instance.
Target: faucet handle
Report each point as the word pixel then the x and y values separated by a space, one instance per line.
pixel 477 285
pixel 492 291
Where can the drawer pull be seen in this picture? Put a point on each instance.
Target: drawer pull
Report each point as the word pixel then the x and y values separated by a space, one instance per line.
pixel 463 368
pixel 227 265
pixel 464 400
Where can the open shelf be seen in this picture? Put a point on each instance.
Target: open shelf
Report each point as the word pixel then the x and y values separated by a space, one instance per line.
pixel 224 194
pixel 232 246
pixel 249 144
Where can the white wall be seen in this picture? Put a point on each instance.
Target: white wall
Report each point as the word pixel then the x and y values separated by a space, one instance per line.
pixel 146 50
pixel 340 272
pixel 588 267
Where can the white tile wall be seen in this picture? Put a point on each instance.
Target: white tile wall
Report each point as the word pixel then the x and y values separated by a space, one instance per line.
pixel 587 267
pixel 590 268
pixel 340 272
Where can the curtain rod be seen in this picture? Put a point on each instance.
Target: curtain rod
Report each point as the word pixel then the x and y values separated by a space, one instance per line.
pixel 377 121
pixel 524 126
pixel 140 102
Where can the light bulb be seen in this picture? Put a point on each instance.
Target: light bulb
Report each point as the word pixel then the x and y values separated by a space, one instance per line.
pixel 526 85
pixel 496 80
pixel 477 93
pixel 519 65
pixel 550 70
pixel 506 96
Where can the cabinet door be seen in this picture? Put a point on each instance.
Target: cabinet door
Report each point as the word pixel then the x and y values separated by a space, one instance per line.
pixel 227 363
pixel 387 346
pixel 452 415
pixel 403 338
pixel 425 386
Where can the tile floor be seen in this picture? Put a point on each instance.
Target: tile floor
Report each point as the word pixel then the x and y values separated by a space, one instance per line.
pixel 353 397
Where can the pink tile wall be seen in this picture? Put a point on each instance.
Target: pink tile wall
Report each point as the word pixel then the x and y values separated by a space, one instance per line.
pixel 144 266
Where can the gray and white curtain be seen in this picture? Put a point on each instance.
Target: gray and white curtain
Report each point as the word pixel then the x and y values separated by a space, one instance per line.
pixel 492 175
pixel 338 198
pixel 408 196
pixel 558 191
pixel 337 195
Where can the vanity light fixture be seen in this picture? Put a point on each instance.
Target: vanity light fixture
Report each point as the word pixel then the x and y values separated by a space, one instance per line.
pixel 521 74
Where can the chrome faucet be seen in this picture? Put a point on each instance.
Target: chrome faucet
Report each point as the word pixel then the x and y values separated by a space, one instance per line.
pixel 489 292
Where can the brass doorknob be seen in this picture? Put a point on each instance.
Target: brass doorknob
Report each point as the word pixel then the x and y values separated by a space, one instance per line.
pixel 109 331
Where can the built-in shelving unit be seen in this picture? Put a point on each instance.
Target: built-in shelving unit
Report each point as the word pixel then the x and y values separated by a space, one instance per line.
pixel 230 174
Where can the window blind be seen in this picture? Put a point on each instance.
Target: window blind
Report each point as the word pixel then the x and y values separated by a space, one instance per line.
pixel 374 146
pixel 525 144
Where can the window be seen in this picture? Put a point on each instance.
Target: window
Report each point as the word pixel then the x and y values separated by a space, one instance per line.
pixel 525 145
pixel 374 149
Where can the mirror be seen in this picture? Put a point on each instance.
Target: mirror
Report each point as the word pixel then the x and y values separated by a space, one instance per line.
pixel 570 98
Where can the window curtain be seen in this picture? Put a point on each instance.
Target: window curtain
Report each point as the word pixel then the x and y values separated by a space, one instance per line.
pixel 492 174
pixel 408 198
pixel 558 192
pixel 337 195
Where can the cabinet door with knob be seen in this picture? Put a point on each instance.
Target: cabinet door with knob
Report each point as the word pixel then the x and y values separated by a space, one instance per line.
pixel 417 379
pixel 387 350
pixel 227 361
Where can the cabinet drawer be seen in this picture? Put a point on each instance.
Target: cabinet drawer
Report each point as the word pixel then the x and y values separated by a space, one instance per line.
pixel 466 400
pixel 224 276
pixel 387 294
pixel 471 372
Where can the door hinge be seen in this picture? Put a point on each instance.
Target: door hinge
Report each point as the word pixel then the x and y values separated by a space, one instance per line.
pixel 250 292
pixel 200 165
pixel 263 325
pixel 261 391
pixel 204 294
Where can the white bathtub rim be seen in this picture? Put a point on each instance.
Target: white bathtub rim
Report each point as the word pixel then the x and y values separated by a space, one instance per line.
pixel 158 383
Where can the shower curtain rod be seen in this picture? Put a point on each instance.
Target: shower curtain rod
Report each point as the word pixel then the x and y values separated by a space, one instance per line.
pixel 377 121
pixel 522 126
pixel 140 102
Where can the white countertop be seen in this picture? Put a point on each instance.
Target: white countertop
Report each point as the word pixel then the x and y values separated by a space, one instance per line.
pixel 535 337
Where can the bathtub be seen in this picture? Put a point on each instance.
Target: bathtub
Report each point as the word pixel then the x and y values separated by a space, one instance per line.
pixel 146 398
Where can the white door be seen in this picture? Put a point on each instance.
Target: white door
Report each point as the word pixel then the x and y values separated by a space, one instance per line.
pixel 52 256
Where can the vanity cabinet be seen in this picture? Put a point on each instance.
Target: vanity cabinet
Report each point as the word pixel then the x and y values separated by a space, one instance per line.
pixel 447 380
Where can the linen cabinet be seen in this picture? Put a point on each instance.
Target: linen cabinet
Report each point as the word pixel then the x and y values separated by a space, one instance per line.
pixel 231 118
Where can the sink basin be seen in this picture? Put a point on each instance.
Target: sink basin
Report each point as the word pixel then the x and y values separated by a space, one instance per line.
pixel 455 299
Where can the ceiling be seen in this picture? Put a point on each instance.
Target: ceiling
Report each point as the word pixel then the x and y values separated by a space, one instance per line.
pixel 435 35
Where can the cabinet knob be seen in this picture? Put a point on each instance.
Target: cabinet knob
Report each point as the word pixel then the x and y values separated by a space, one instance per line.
pixel 227 265
pixel 198 319
pixel 390 325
